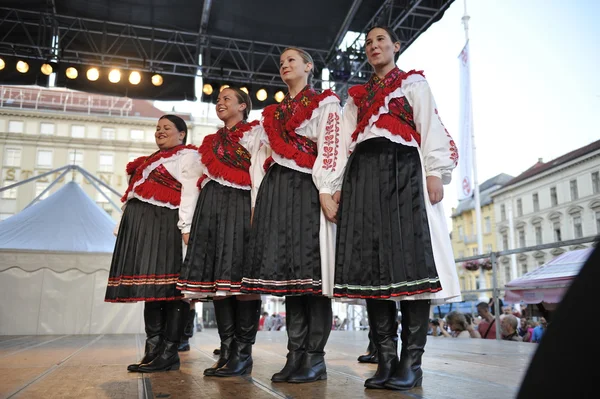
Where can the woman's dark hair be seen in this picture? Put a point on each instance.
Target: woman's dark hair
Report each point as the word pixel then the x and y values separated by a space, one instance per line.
pixel 179 124
pixel 393 37
pixel 307 58
pixel 243 98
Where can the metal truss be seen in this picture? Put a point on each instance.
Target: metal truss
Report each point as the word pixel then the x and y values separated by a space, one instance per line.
pixel 110 44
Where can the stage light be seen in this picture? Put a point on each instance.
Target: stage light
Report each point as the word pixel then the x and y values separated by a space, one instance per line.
pixel 244 89
pixel 71 73
pixel 223 88
pixel 46 69
pixel 2 64
pixel 261 95
pixel 207 89
pixel 135 78
pixel 93 74
pixel 22 66
pixel 157 80
pixel 279 96
pixel 114 76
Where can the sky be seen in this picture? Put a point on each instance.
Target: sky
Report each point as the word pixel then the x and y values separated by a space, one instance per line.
pixel 534 75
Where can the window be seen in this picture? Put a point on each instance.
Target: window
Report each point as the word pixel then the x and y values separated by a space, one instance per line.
pixel 136 135
pixel 574 191
pixel 9 194
pixel 487 224
pixel 461 233
pixel 44 158
pixel 597 222
pixel 100 197
pixel 78 131
pixel 12 157
pixel 536 202
pixel 76 157
pixel 505 241
pixel 107 133
pixel 519 207
pixel 47 128
pixel 507 276
pixel 502 212
pixel 40 187
pixel 521 233
pixel 5 215
pixel 475 251
pixel 523 268
pixel 596 182
pixel 538 234
pixel 553 196
pixel 557 232
pixel 577 226
pixel 106 163
pixel 488 248
pixel 461 254
pixel 540 261
pixel 134 156
pixel 15 127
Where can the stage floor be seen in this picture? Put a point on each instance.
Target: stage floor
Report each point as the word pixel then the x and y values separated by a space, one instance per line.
pixel 94 366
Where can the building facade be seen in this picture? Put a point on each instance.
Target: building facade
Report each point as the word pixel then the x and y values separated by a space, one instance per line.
pixel 44 129
pixel 550 202
pixel 464 231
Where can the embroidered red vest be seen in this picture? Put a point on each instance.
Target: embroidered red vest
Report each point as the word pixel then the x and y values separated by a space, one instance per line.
pixel 370 97
pixel 160 185
pixel 224 156
pixel 281 121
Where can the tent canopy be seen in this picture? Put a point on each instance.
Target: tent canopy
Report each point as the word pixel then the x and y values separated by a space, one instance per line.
pixel 549 282
pixel 67 221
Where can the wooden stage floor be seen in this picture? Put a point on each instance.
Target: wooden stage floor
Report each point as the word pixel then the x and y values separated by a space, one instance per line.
pixel 94 366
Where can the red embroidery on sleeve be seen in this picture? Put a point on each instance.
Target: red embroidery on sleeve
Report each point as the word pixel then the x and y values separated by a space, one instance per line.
pixel 331 141
pixel 453 148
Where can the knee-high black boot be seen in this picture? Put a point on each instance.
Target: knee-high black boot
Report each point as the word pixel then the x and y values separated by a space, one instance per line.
pixel 371 355
pixel 188 331
pixel 176 317
pixel 296 324
pixel 313 366
pixel 154 324
pixel 246 325
pixel 415 320
pixel 382 322
pixel 225 313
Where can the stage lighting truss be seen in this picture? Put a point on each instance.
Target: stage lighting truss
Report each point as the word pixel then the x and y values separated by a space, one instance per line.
pixel 93 74
pixel 114 76
pixel 157 80
pixel 261 95
pixel 71 73
pixel 279 96
pixel 46 69
pixel 2 64
pixel 22 66
pixel 207 89
pixel 135 78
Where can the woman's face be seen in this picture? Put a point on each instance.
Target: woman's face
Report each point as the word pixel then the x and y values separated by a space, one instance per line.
pixel 228 106
pixel 166 135
pixel 292 67
pixel 379 48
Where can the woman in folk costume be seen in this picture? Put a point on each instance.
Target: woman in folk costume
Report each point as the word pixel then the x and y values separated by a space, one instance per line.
pixel 392 239
pixel 292 242
pixel 220 228
pixel 154 229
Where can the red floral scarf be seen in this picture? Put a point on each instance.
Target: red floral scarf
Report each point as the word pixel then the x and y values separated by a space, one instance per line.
pixel 370 97
pixel 225 157
pixel 282 120
pixel 160 184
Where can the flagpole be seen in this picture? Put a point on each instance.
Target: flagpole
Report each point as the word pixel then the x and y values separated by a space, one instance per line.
pixel 482 282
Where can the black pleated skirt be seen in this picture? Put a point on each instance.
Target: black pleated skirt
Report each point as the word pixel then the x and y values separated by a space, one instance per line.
pixel 219 235
pixel 383 245
pixel 283 255
pixel 148 255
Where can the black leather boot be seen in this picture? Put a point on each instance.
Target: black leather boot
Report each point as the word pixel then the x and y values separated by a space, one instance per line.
pixel 188 331
pixel 225 313
pixel 240 362
pixel 154 324
pixel 371 355
pixel 382 323
pixel 176 317
pixel 312 367
pixel 415 320
pixel 296 325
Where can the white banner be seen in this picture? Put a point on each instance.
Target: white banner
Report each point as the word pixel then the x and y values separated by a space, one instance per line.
pixel 465 143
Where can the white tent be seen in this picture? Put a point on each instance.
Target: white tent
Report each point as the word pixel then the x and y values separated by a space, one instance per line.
pixel 54 261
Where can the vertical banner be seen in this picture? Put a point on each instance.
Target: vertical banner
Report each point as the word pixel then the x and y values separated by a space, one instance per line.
pixel 465 142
